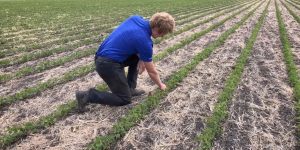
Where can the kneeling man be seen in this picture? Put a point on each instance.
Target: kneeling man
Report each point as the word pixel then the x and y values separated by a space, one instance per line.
pixel 128 45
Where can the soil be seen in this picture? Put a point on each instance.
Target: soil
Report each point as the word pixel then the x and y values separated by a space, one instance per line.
pixel 82 128
pixel 261 114
pixel 48 101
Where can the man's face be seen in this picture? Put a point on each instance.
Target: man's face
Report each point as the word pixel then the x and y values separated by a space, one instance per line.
pixel 156 33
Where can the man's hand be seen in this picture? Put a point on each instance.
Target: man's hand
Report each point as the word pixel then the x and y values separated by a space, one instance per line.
pixel 162 86
pixel 141 67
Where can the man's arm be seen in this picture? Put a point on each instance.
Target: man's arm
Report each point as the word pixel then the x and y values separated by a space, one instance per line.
pixel 154 75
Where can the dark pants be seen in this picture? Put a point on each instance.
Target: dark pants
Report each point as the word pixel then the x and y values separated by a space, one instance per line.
pixel 114 76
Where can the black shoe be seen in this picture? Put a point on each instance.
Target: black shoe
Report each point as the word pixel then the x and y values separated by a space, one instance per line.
pixel 135 92
pixel 82 100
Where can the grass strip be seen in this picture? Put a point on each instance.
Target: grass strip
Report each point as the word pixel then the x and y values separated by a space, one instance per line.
pixel 293 73
pixel 196 36
pixel 41 54
pixel 141 110
pixel 188 27
pixel 17 132
pixel 220 112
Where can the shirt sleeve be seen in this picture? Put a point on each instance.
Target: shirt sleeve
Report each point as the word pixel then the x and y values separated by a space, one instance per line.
pixel 144 48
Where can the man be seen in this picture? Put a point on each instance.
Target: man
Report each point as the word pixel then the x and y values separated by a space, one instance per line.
pixel 128 45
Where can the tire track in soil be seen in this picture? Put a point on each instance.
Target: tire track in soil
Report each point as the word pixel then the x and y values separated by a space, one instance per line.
pixel 261 115
pixel 31 80
pixel 181 115
pixel 293 30
pixel 47 102
pixel 82 128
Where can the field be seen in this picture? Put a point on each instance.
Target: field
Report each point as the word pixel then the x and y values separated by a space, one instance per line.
pixel 232 69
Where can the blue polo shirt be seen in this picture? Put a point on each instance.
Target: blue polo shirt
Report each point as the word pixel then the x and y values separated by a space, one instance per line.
pixel 133 36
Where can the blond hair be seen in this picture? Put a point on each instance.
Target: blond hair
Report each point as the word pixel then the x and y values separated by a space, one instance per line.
pixel 163 21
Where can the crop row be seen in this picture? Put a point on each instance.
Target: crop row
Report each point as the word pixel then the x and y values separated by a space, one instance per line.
pixel 142 109
pixel 91 25
pixel 293 4
pixel 149 9
pixel 60 61
pixel 188 27
pixel 68 20
pixel 293 73
pixel 65 39
pixel 44 53
pixel 220 112
pixel 83 70
pixel 20 131
pixel 49 64
pixel 63 32
pixel 82 20
pixel 297 18
pixel 297 2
